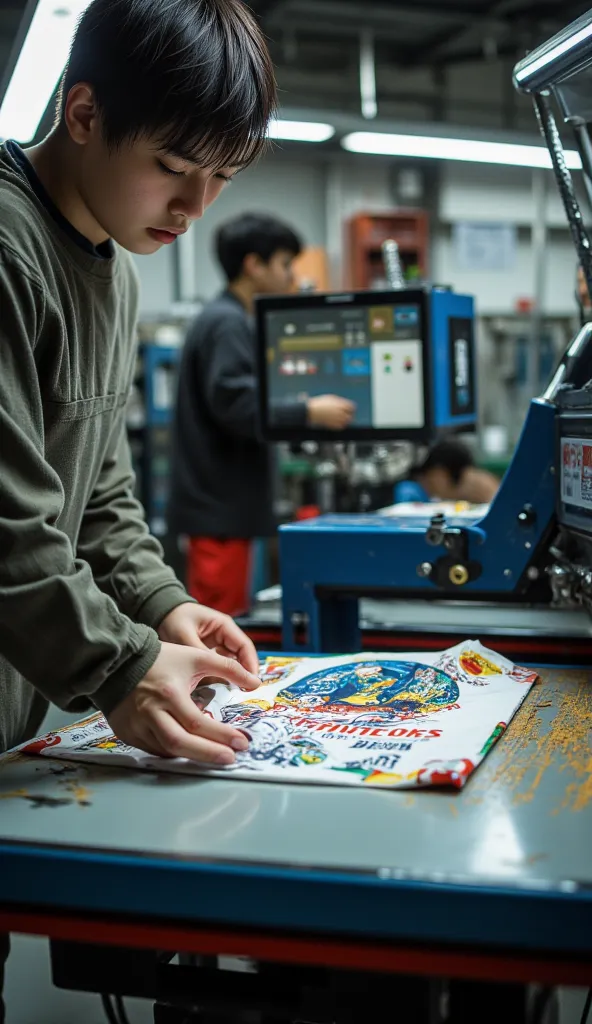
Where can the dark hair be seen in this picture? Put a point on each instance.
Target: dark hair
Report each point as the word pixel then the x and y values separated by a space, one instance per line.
pixel 194 74
pixel 454 456
pixel 253 233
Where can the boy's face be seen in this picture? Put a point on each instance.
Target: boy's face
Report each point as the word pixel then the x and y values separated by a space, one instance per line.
pixel 142 196
pixel 274 276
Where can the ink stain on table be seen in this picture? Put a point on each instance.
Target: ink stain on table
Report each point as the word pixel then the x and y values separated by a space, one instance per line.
pixel 539 741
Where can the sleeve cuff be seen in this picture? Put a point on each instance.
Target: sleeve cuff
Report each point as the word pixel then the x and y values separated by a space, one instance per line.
pixel 126 678
pixel 159 604
pixel 289 413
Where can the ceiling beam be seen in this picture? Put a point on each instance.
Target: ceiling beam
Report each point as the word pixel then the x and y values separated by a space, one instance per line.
pixel 337 19
pixel 499 15
pixel 382 16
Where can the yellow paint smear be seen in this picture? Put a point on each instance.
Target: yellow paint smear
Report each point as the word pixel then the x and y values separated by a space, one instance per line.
pixel 80 793
pixel 558 739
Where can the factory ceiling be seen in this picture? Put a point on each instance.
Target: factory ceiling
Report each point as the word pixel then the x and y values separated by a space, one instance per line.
pixel 435 60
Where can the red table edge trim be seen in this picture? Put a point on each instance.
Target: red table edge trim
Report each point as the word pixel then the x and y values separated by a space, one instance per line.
pixel 376 641
pixel 290 949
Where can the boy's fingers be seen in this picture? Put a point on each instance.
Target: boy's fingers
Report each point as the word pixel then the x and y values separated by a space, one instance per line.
pixel 209 663
pixel 171 737
pixel 241 647
pixel 195 722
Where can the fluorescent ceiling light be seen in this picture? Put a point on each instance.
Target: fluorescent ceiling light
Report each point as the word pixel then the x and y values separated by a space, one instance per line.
pixel 39 67
pixel 471 150
pixel 301 131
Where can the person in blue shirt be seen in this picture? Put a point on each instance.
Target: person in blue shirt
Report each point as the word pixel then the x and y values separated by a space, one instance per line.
pixel 448 473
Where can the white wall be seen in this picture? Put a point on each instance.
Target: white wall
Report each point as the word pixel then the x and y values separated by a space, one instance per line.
pixel 472 192
pixel 496 291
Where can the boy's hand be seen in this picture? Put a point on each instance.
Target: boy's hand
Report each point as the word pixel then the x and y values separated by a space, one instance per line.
pixel 160 717
pixel 197 626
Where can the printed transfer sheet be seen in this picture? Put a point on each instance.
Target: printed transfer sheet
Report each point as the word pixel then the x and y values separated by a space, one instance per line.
pixel 350 720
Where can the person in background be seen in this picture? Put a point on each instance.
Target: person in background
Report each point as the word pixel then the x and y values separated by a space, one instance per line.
pixel 222 471
pixel 448 473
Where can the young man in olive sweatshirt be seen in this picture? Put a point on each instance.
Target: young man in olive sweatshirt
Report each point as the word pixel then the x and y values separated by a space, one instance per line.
pixel 161 102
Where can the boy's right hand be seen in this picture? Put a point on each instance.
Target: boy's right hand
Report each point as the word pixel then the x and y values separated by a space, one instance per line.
pixel 159 716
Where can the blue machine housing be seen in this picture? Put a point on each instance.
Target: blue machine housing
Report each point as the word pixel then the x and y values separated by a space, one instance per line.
pixel 329 562
pixel 452 352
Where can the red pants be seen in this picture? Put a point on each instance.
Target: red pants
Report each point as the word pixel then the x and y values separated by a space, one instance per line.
pixel 219 573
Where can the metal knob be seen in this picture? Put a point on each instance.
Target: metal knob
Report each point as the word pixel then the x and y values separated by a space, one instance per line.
pixel 459 575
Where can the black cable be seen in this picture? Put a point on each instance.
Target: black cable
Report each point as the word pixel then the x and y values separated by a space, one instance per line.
pixel 109 1011
pixel 123 1017
pixel 587 1005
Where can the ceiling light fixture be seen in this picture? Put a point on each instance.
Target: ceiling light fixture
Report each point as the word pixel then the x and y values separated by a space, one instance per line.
pixel 471 150
pixel 301 131
pixel 39 67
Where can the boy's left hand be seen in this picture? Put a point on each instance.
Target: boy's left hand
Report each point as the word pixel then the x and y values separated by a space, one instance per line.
pixel 196 626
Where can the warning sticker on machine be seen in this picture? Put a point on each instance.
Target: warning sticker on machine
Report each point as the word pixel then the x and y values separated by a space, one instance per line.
pixel 576 471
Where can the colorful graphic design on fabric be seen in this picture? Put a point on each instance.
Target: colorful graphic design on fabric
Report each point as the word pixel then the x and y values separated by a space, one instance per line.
pixel 275 669
pixel 44 743
pixel 497 732
pixel 523 675
pixel 418 720
pixel 404 687
pixel 470 666
pixel 445 773
pixel 94 724
pixel 474 664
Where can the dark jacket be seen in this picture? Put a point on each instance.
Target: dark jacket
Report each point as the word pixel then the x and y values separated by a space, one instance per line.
pixel 221 474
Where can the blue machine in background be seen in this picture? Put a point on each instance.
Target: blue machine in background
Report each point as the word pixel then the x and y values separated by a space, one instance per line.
pixel 328 563
pixel 150 428
pixel 404 356
pixel 452 351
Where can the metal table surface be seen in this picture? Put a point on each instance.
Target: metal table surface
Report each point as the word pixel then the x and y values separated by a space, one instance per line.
pixel 504 865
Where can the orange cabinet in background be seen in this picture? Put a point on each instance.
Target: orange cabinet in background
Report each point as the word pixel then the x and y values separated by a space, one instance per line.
pixel 364 235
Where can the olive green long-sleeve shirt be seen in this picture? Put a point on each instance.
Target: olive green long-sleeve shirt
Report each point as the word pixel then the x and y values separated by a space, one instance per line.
pixel 82 583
